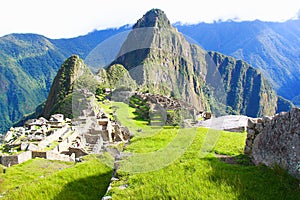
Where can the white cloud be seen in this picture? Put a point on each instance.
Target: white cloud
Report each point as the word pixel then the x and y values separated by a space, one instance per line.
pixel 69 18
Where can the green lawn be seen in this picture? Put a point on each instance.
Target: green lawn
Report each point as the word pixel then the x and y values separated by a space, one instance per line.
pixel 195 174
pixel 126 115
pixel 45 179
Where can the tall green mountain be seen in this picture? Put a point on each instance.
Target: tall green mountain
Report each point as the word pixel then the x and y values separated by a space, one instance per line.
pixel 161 60
pixel 73 75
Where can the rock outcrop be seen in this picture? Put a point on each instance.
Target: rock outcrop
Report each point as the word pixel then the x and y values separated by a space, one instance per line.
pixel 276 141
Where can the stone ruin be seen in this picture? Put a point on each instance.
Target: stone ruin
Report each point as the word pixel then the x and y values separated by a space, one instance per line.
pixel 165 102
pixel 99 129
pixel 96 128
pixel 49 139
pixel 169 103
pixel 275 141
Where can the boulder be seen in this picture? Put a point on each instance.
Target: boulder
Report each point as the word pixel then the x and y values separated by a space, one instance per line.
pixel 276 141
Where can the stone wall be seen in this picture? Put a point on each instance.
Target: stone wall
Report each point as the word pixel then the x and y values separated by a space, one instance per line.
pixel 9 160
pixel 276 141
pixel 15 159
pixel 56 156
pixel 39 154
pixel 24 156
pixel 51 155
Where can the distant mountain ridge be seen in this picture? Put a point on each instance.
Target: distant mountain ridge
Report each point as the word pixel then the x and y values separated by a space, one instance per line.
pixel 23 85
pixel 272 47
pixel 28 64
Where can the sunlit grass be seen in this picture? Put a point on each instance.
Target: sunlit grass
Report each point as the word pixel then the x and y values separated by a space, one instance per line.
pixel 192 176
pixel 44 179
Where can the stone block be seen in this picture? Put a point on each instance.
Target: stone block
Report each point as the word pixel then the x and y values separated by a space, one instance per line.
pixel 24 146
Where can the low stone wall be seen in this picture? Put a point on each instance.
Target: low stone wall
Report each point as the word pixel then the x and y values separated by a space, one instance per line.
pixel 51 155
pixel 15 159
pixel 24 156
pixel 9 160
pixel 56 156
pixel 39 154
pixel 276 141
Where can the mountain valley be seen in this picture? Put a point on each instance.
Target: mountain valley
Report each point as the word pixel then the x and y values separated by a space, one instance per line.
pixel 148 112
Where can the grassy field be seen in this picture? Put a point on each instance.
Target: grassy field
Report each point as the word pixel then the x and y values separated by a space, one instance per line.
pixel 173 163
pixel 126 115
pixel 162 163
pixel 45 179
pixel 195 175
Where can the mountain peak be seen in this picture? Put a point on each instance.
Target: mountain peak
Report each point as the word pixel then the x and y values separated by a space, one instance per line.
pixel 59 98
pixel 153 18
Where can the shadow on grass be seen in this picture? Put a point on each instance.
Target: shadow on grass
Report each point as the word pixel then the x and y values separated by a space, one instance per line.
pixel 255 182
pixel 92 187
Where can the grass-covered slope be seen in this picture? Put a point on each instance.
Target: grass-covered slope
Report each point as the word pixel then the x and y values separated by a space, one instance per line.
pixel 45 179
pixel 197 172
pixel 192 176
pixel 210 165
pixel 28 64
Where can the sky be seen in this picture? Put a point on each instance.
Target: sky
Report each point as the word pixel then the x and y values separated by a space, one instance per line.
pixel 71 18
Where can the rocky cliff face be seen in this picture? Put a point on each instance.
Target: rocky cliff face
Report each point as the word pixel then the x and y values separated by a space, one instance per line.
pixel 247 90
pixel 276 141
pixel 60 96
pixel 162 61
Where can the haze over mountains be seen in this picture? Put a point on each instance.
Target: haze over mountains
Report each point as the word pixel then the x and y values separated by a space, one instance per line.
pixel 28 62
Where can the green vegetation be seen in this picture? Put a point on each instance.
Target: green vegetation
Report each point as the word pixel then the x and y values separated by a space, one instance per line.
pixel 141 107
pixel 116 76
pixel 174 117
pixel 263 45
pixel 199 170
pixel 127 116
pixel 65 92
pixel 192 176
pixel 246 91
pixel 23 84
pixel 45 179
pixel 164 162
